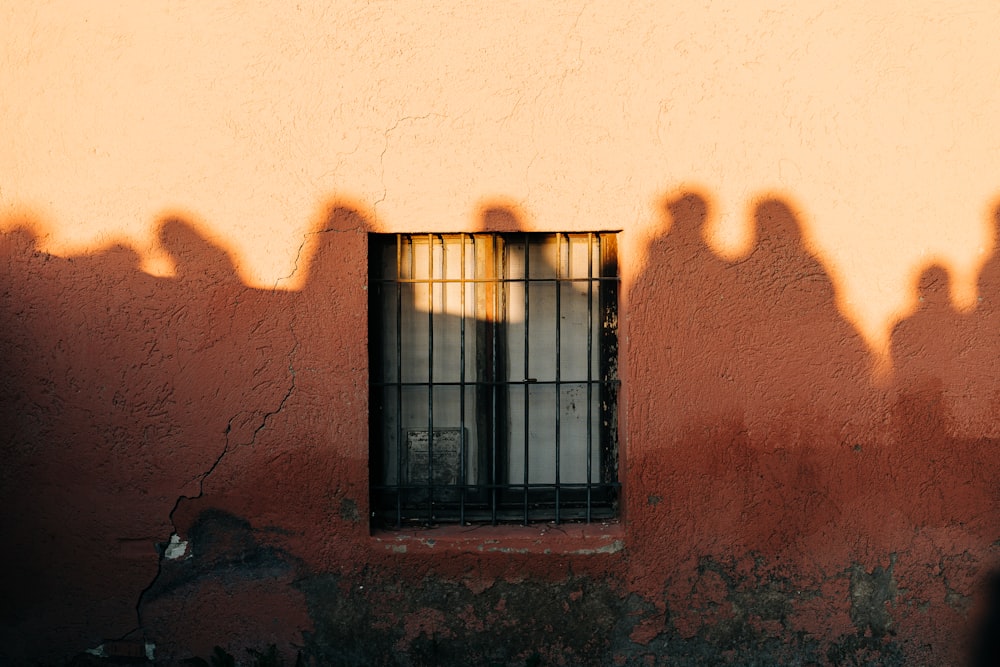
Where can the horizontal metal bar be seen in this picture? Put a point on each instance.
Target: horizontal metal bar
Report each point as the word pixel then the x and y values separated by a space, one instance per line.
pixel 484 281
pixel 503 383
pixel 541 486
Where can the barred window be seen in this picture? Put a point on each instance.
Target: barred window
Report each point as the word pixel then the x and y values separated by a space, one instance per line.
pixel 493 377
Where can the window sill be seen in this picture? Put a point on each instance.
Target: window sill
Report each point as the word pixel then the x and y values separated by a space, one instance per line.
pixel 568 539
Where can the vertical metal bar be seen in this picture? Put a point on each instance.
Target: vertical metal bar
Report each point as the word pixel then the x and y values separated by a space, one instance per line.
pixel 430 378
pixel 527 320
pixel 399 380
pixel 607 351
pixel 494 351
pixel 558 364
pixel 461 398
pixel 590 363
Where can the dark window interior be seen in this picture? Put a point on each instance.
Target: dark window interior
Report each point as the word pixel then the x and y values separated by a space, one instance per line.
pixel 493 377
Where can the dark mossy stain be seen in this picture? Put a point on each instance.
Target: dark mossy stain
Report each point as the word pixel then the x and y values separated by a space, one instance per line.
pixel 871 595
pixel 349 510
pixel 377 617
pixel 529 622
pixel 369 620
pixel 756 628
pixel 221 546
pixel 865 651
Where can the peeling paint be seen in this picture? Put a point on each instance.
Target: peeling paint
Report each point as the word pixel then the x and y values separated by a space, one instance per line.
pixel 176 548
pixel 98 651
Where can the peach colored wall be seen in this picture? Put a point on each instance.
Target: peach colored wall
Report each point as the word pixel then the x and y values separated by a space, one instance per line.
pixel 808 440
pixel 877 122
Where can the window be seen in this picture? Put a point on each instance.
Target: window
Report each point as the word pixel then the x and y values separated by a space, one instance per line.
pixel 493 377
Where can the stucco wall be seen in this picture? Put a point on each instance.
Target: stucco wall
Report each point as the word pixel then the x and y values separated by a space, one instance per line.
pixel 807 201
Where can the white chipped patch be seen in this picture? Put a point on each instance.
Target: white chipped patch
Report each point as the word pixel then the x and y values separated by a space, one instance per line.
pixel 176 548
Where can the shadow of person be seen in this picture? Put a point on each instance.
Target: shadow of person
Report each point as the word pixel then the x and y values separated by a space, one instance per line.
pixel 754 386
pixel 197 259
pixel 230 346
pixel 686 337
pixel 63 387
pixel 926 350
pixel 806 373
pixel 268 375
pixel 121 392
pixel 684 304
pixel 943 414
pixel 988 306
pixel 21 520
pixel 970 368
pixel 300 348
pixel 954 355
pixel 800 352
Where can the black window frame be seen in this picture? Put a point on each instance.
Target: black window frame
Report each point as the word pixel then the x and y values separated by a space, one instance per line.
pixel 491 500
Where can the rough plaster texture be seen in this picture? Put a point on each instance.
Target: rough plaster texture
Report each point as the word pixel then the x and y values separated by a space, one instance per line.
pixel 808 343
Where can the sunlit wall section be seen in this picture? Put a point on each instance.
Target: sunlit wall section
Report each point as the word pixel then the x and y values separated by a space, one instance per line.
pixel 874 121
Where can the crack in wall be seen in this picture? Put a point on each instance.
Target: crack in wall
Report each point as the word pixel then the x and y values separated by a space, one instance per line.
pixel 302 246
pixel 385 149
pixel 295 264
pixel 227 447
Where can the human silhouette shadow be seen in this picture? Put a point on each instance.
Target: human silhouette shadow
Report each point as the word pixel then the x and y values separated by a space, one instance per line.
pixel 133 407
pixel 66 437
pixel 288 371
pixel 685 296
pixel 945 387
pixel 758 389
pixel 124 394
pixel 957 349
pixel 801 351
pixel 950 350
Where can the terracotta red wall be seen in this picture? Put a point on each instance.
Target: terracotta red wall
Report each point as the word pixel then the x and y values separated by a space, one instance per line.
pixel 807 206
pixel 778 504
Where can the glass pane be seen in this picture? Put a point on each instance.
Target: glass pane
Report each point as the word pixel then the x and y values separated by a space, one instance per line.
pixel 414 332
pixel 543 256
pixel 575 414
pixel 538 415
pixel 578 334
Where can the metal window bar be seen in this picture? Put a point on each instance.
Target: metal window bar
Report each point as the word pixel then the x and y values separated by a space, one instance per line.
pixel 399 378
pixel 559 370
pixel 527 374
pixel 462 445
pixel 457 498
pixel 430 378
pixel 497 304
pixel 590 368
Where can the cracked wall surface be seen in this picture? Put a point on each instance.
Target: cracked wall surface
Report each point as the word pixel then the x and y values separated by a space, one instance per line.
pixel 806 207
pixel 188 462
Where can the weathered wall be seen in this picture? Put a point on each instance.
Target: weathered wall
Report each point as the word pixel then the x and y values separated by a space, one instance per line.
pixel 808 340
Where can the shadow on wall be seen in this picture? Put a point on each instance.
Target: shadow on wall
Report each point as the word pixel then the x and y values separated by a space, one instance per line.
pixel 756 384
pixel 136 407
pixel 127 398
pixel 986 643
pixel 764 432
